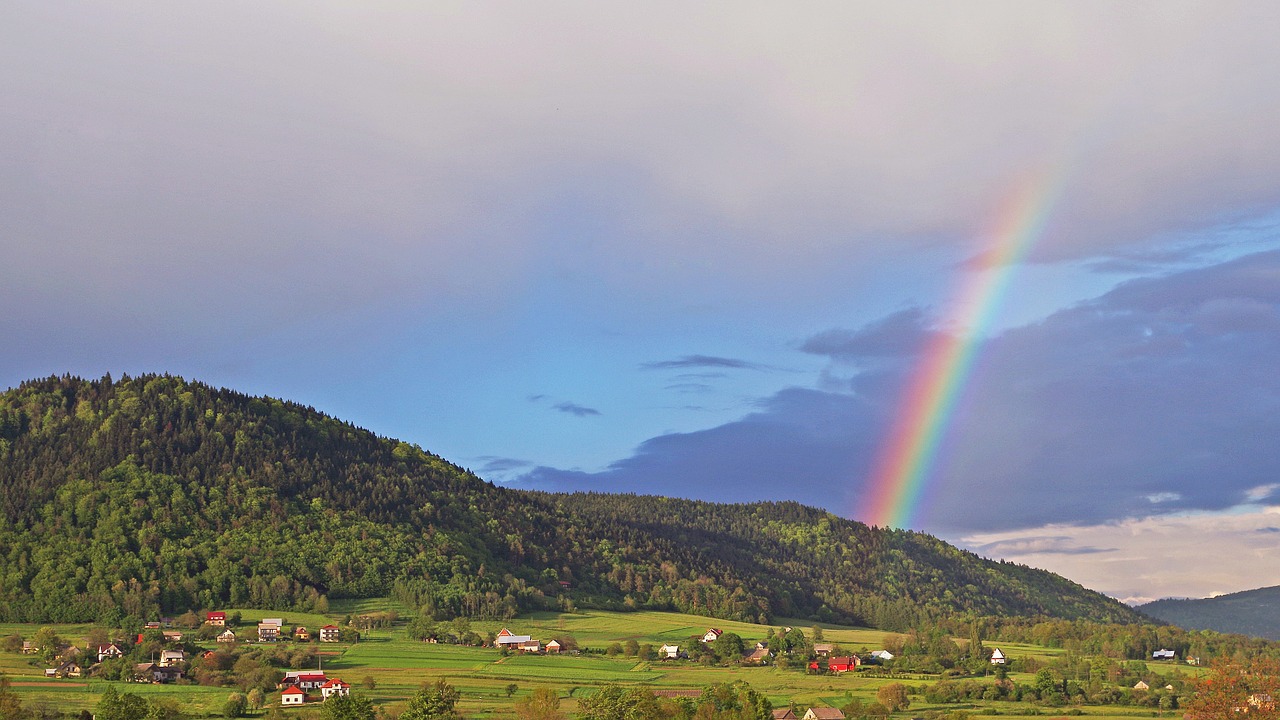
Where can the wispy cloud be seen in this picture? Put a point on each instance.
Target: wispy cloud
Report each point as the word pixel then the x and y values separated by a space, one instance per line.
pixel 690 387
pixel 703 361
pixel 575 409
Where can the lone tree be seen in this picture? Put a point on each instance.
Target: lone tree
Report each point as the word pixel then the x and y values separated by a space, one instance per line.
pixel 434 702
pixel 893 697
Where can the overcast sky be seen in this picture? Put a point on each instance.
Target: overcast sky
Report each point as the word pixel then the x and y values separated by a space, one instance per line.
pixel 688 249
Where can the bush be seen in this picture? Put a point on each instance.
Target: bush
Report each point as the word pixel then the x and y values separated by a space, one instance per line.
pixel 235 706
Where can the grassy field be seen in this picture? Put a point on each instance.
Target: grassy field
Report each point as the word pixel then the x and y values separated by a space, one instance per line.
pixel 389 667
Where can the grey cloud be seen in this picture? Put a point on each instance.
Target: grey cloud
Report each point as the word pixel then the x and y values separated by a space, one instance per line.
pixel 575 409
pixel 793 448
pixel 698 361
pixel 1163 388
pixel 1046 545
pixel 897 336
pixel 502 465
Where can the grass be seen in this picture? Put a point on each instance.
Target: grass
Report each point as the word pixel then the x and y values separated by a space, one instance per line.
pixel 398 666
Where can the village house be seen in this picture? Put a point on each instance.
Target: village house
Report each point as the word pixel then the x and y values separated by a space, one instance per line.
pixel 173 636
pixel 669 652
pixel 507 639
pixel 106 652
pixel 305 679
pixel 227 636
pixel 759 656
pixel 301 634
pixel 334 687
pixel 293 696
pixel 1140 685
pixel 1163 654
pixel 530 646
pixel 330 633
pixel 843 663
pixel 882 655
pixel 712 635
pixel 29 648
pixel 172 658
pixel 153 673
pixel 823 714
pixel 152 625
pixel 65 670
pixel 997 657
pixel 269 630
pixel 823 649
pixel 553 647
pixel 216 618
pixel 784 714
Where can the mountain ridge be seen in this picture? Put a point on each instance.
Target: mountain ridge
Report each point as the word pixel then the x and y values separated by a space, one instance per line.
pixel 1248 612
pixel 156 494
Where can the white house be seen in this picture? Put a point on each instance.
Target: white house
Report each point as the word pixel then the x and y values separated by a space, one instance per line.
pixel 507 639
pixel 293 696
pixel 712 635
pixel 1163 654
pixel 172 658
pixel 882 655
pixel 670 652
pixel 330 633
pixel 997 657
pixel 334 687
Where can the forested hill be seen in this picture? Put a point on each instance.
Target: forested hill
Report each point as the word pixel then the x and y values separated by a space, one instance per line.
pixel 1251 612
pixel 154 494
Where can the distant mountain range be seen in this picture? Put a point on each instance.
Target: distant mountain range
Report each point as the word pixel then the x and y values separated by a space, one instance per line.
pixel 1251 612
pixel 137 496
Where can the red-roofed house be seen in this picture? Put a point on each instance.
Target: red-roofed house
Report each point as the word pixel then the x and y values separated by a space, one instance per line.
pixel 217 618
pixel 330 633
pixel 712 635
pixel 842 663
pixel 334 687
pixel 293 696
pixel 311 681
pixel 109 651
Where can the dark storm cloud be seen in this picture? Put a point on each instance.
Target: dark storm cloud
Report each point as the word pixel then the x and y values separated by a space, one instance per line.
pixel 1159 396
pixel 701 361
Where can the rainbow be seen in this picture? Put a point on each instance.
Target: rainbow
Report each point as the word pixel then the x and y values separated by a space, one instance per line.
pixel 903 466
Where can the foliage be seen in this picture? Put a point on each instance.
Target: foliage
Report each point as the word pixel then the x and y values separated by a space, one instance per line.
pixel 347 707
pixel 134 497
pixel 10 706
pixel 541 704
pixel 893 697
pixel 1237 689
pixel 235 706
pixel 435 702
pixel 114 705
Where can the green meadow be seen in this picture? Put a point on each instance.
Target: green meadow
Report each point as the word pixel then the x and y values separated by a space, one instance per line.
pixel 388 667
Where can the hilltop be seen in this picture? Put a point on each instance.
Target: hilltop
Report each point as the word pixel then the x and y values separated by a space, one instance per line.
pixel 1251 612
pixel 155 494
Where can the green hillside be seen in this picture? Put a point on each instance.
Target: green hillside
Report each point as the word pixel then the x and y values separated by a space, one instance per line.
pixel 1252 612
pixel 154 494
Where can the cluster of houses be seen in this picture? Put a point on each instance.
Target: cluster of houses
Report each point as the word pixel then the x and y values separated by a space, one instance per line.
pixel 271 630
pixel 525 643
pixel 170 664
pixel 300 687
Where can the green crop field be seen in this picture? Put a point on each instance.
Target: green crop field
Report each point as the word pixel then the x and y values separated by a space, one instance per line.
pixel 388 667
